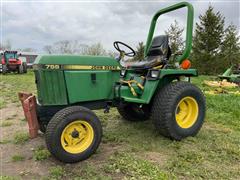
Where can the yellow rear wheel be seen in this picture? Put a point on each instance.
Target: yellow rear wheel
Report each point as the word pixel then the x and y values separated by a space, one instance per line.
pixel 178 110
pixel 186 112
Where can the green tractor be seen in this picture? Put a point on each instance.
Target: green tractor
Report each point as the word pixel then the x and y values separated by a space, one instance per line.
pixel 69 87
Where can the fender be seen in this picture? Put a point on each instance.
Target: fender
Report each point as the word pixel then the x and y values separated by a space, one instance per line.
pixel 166 76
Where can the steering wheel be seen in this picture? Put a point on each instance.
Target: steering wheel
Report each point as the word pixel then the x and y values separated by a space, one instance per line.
pixel 132 53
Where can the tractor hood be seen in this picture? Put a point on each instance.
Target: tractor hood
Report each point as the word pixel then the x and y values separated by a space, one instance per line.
pixel 69 79
pixel 75 61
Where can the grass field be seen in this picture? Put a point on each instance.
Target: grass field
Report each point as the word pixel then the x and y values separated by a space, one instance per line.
pixel 128 150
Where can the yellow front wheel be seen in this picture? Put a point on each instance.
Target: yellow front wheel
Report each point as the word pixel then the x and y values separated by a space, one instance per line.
pixel 73 134
pixel 77 136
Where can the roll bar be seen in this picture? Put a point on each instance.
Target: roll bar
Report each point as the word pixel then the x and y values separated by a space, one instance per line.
pixel 188 46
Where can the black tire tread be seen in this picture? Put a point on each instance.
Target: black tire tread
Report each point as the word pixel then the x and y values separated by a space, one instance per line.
pixel 126 113
pixel 56 119
pixel 163 101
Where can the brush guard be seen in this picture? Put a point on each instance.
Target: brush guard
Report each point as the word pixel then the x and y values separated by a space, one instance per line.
pixel 29 105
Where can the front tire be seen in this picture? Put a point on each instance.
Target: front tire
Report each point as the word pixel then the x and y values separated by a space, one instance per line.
pixel 73 134
pixel 134 111
pixel 179 110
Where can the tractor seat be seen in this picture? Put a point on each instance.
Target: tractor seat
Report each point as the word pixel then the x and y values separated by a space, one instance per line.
pixel 158 54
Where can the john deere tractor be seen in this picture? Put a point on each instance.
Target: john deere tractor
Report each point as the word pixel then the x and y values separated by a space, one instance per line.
pixel 69 87
pixel 12 62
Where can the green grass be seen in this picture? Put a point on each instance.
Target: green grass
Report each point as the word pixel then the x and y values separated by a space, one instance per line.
pixel 144 154
pixel 87 171
pixel 6 123
pixel 7 178
pixel 41 154
pixel 12 83
pixel 21 137
pixel 4 141
pixel 56 172
pixel 17 157
pixel 131 166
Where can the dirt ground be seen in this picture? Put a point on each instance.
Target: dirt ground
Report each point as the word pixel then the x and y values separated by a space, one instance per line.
pixel 30 168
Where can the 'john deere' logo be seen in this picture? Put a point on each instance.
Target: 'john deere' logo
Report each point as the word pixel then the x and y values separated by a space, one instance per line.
pixel 85 67
pixel 79 67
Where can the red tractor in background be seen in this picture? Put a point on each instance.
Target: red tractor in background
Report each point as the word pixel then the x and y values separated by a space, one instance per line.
pixel 12 62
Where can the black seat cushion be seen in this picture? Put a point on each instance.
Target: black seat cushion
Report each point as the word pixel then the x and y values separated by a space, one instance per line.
pixel 158 54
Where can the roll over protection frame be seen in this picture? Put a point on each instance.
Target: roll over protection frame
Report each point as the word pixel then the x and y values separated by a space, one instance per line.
pixel 188 45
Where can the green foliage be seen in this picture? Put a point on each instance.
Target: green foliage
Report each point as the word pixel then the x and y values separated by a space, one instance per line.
pixel 2 103
pixel 4 141
pixel 139 52
pixel 6 178
pixel 11 84
pixel 56 172
pixel 88 171
pixel 230 49
pixel 207 40
pixel 6 123
pixel 17 157
pixel 21 137
pixel 41 154
pixel 223 109
pixel 133 167
pixel 175 37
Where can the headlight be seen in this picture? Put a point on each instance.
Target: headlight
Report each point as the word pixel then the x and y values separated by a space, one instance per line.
pixel 154 74
pixel 123 72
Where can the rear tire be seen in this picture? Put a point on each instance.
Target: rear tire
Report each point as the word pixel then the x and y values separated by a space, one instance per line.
pixel 179 110
pixel 24 67
pixel 134 112
pixel 20 69
pixel 73 134
pixel 4 69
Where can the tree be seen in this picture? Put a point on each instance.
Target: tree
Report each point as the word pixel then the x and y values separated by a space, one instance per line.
pixel 207 42
pixel 139 52
pixel 65 47
pixel 27 49
pixel 48 49
pixel 230 49
pixel 95 50
pixel 175 37
pixel 75 47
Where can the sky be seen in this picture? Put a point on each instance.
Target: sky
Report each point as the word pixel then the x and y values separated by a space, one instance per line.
pixel 34 24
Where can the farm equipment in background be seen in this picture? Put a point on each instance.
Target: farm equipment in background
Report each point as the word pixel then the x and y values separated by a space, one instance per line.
pixel 232 74
pixel 12 62
pixel 69 87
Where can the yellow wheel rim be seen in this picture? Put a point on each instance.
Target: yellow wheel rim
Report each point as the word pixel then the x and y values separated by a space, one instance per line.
pixel 186 112
pixel 77 137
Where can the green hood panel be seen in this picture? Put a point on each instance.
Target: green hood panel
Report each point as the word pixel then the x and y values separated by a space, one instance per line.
pixel 76 59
